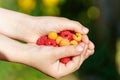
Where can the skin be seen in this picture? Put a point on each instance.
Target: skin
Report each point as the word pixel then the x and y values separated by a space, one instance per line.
pixel 14 25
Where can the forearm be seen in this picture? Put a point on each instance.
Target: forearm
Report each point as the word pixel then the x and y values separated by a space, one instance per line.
pixel 12 24
pixel 10 50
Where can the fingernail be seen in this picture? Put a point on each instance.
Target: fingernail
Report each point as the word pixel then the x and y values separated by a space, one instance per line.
pixel 79 48
pixel 85 30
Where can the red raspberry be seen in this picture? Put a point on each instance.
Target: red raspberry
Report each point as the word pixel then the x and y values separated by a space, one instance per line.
pixel 41 40
pixel 65 60
pixel 50 42
pixel 66 34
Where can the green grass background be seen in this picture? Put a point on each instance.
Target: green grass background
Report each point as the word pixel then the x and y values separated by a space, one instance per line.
pixel 14 71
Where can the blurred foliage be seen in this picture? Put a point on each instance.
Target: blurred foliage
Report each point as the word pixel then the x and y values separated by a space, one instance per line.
pixel 100 66
pixel 13 71
pixel 26 5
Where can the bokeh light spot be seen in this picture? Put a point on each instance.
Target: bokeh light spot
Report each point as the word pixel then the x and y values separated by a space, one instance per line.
pixel 93 12
pixel 50 2
pixel 27 5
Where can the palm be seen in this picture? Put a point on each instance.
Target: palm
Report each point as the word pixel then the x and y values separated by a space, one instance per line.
pixel 46 59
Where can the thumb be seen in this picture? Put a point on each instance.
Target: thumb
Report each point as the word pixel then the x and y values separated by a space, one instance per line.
pixel 67 51
pixel 76 26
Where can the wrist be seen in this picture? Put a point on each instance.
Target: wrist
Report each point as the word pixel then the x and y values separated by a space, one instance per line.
pixel 11 50
pixel 14 24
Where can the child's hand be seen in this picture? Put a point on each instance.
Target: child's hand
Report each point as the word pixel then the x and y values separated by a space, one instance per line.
pixel 45 59
pixel 46 24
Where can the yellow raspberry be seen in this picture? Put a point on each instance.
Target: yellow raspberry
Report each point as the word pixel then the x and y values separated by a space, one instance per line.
pixel 73 42
pixel 52 35
pixel 64 42
pixel 59 39
pixel 77 37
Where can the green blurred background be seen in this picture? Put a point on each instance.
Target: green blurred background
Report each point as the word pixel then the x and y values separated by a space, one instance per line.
pixel 102 17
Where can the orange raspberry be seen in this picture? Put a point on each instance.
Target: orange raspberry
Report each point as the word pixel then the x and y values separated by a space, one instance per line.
pixel 73 42
pixel 77 37
pixel 52 35
pixel 64 42
pixel 59 39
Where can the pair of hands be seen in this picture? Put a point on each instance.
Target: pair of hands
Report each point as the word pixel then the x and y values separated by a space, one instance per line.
pixel 19 26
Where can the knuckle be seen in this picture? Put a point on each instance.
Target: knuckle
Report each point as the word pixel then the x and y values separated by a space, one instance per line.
pixel 63 18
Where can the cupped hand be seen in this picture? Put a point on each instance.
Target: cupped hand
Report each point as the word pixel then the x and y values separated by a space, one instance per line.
pixel 44 58
pixel 29 28
pixel 44 25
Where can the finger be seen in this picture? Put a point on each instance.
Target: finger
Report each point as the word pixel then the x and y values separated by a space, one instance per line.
pixel 78 60
pixel 76 26
pixel 83 29
pixel 85 39
pixel 89 50
pixel 91 46
pixel 70 67
pixel 68 51
pixel 89 53
pixel 74 64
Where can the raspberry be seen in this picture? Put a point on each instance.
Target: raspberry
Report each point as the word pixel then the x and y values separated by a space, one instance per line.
pixel 73 42
pixel 58 40
pixel 50 42
pixel 66 34
pixel 52 35
pixel 64 38
pixel 65 60
pixel 41 40
pixel 77 37
pixel 64 42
